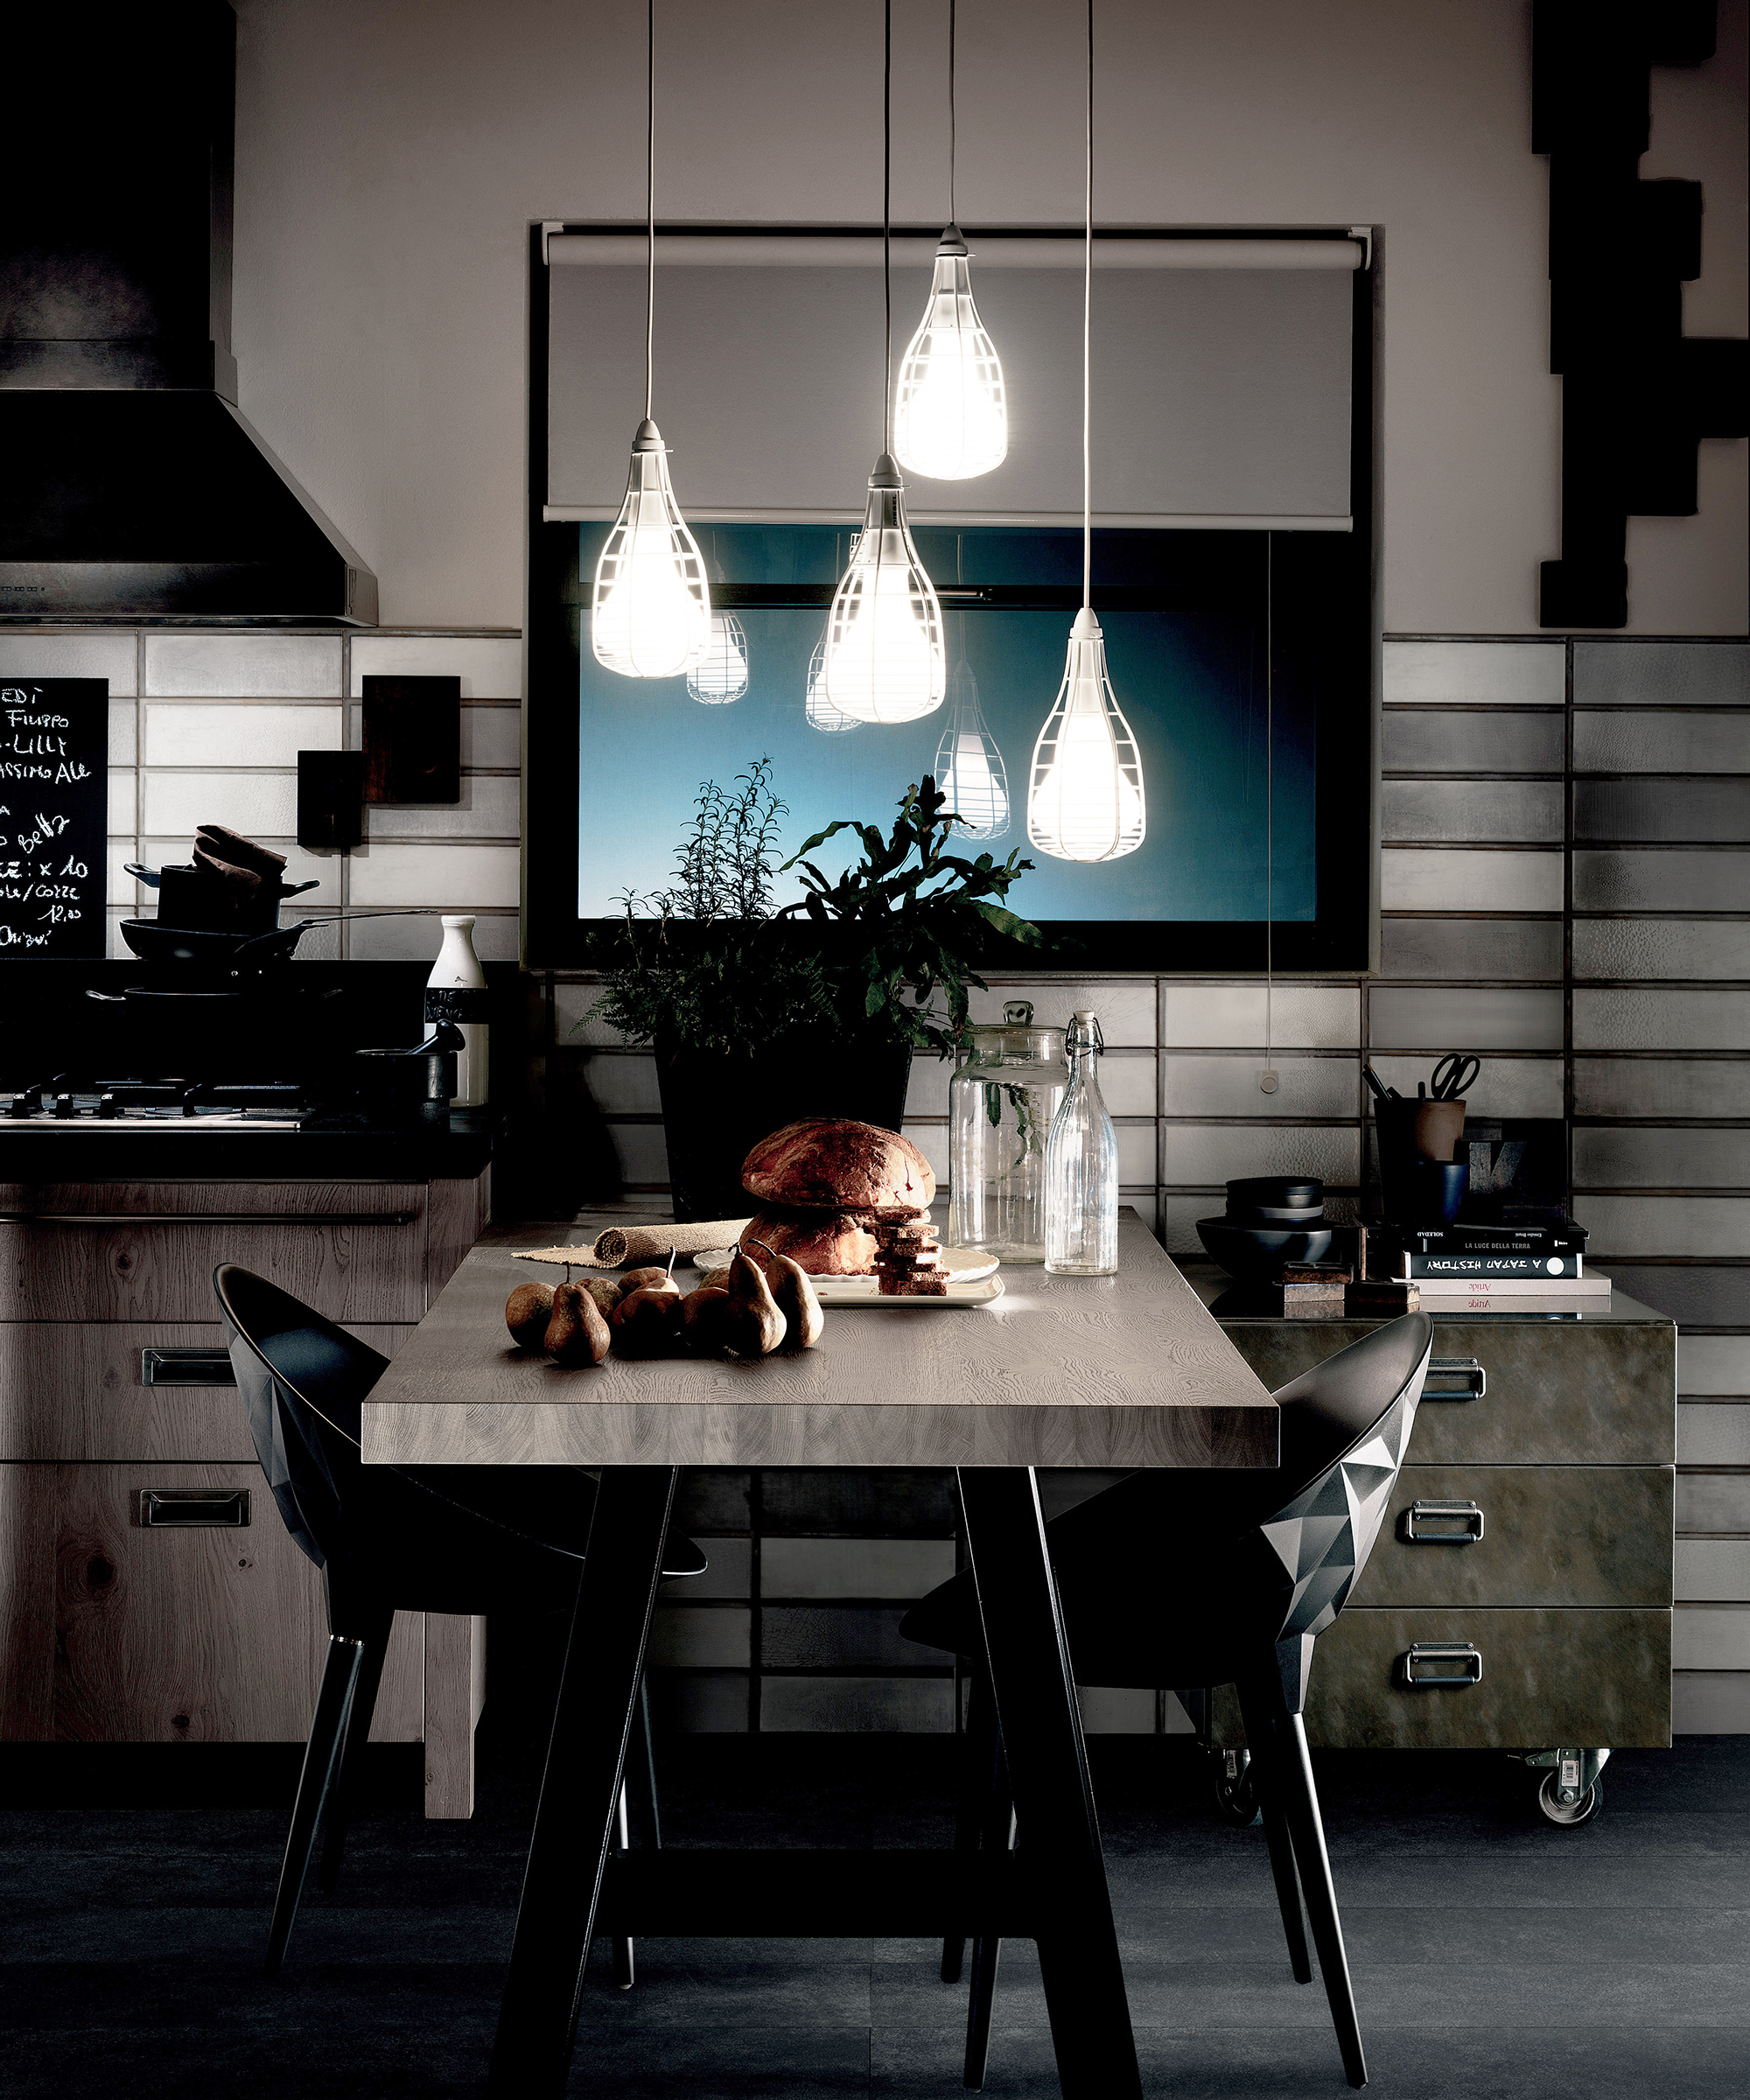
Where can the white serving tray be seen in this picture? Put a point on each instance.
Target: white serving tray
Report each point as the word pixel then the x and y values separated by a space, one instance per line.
pixel 843 1291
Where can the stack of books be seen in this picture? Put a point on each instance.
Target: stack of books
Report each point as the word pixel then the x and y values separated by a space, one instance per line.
pixel 1496 1267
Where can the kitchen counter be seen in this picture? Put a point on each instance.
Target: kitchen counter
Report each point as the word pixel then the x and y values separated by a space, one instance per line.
pixel 40 1151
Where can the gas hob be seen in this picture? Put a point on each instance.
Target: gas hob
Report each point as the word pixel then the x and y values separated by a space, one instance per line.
pixel 71 1101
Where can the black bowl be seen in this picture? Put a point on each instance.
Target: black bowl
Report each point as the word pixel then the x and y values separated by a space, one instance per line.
pixel 1275 1192
pixel 1258 1253
pixel 1260 1214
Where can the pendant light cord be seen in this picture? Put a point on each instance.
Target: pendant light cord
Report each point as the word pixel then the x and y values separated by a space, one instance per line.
pixel 1087 309
pixel 887 231
pixel 1268 785
pixel 650 206
pixel 953 141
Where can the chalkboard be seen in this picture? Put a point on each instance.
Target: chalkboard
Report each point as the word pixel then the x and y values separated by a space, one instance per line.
pixel 54 794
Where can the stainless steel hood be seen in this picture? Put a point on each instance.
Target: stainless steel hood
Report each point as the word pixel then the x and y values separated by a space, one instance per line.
pixel 132 489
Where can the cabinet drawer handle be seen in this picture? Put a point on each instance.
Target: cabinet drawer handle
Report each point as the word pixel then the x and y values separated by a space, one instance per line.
pixel 208 1217
pixel 1443 1523
pixel 1442 1654
pixel 185 1366
pixel 1466 1379
pixel 170 1509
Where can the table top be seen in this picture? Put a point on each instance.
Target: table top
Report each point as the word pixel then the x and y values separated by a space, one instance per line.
pixel 1124 1371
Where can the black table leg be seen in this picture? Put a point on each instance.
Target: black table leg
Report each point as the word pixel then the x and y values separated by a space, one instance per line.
pixel 1059 1833
pixel 578 1820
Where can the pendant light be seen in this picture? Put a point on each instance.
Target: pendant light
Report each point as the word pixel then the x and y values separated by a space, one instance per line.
pixel 650 614
pixel 720 675
pixel 821 712
pixel 951 418
pixel 1085 801
pixel 968 767
pixel 885 661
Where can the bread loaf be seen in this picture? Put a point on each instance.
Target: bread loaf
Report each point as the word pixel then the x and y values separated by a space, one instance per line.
pixel 825 1163
pixel 824 1242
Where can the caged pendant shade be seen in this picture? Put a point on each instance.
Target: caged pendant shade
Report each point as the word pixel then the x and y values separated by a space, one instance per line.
pixel 950 420
pixel 1085 800
pixel 650 612
pixel 968 767
pixel 884 658
pixel 821 712
pixel 720 675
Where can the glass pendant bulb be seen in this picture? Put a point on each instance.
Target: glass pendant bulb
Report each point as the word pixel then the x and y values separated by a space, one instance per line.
pixel 720 675
pixel 821 712
pixel 1085 801
pixel 950 419
pixel 650 614
pixel 968 767
pixel 884 659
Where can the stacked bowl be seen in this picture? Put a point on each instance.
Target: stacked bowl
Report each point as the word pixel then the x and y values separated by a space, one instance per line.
pixel 1271 1221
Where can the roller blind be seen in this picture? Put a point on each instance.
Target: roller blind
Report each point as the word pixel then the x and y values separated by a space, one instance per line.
pixel 1221 376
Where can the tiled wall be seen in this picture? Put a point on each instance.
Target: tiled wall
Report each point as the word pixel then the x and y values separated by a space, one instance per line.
pixel 206 725
pixel 1566 892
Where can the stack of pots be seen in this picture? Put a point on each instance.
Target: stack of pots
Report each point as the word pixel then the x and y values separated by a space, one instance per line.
pixel 1271 1221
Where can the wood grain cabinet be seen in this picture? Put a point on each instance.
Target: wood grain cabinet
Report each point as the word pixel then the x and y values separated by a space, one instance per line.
pixel 1520 1594
pixel 149 1592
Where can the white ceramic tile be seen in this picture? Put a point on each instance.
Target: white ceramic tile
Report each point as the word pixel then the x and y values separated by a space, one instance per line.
pixel 1179 1231
pixel 322 942
pixel 1662 947
pixel 931 1139
pixel 490 667
pixel 727 1573
pixel 417 937
pixel 1125 1005
pixel 1663 882
pixel 1228 1085
pixel 1506 1086
pixel 712 1636
pixel 698 1702
pixel 1675 674
pixel 1713 1504
pixel 238 733
pixel 853 1567
pixel 1136 1154
pixel 1304 1017
pixel 1713 1569
pixel 1127 1082
pixel 254 803
pixel 623 1085
pixel 856 1705
pixel 1207 1155
pixel 1142 1202
pixel 1667 1225
pixel 1656 1087
pixel 490 808
pixel 300 866
pixel 1629 739
pixel 1457 879
pixel 1504 811
pixel 122 888
pixel 122 802
pixel 448 877
pixel 1710 1636
pixel 124 731
pixel 572 1004
pixel 1499 673
pixel 641 1154
pixel 1437 1018
pixel 1115 1710
pixel 1644 1159
pixel 1659 1018
pixel 491 737
pixel 926 1088
pixel 1714 1432
pixel 114 945
pixel 1711 1702
pixel 111 656
pixel 1714 1363
pixel 242 665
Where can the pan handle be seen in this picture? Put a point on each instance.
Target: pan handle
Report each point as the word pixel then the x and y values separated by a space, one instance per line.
pixel 150 877
pixel 297 889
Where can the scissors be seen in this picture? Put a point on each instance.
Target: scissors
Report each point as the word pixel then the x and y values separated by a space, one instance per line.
pixel 1453 1076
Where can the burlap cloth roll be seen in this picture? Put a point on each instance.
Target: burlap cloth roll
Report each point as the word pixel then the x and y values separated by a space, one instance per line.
pixel 632 1246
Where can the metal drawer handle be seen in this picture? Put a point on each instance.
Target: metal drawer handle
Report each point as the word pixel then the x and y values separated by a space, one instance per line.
pixel 1464 1653
pixel 208 1217
pixel 185 1366
pixel 1443 1523
pixel 1471 1381
pixel 163 1508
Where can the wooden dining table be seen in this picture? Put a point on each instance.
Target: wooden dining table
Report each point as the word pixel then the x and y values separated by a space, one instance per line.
pixel 1126 1370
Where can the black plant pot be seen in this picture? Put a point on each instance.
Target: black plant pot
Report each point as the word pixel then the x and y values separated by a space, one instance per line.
pixel 716 1109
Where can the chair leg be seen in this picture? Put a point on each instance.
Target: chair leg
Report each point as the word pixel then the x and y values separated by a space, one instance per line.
pixel 978 1773
pixel 986 1954
pixel 624 1976
pixel 641 1769
pixel 356 1736
pixel 339 1675
pixel 1301 1800
pixel 1265 1740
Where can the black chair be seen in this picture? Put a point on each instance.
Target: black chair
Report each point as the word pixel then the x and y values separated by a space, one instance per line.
pixel 1203 1579
pixel 460 1539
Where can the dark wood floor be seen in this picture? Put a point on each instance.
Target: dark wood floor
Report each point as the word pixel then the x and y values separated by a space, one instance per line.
pixel 1493 1955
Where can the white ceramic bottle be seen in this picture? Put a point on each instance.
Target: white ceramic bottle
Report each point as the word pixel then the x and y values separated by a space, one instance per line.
pixel 456 991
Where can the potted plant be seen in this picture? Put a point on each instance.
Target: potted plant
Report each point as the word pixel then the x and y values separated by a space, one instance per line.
pixel 759 1016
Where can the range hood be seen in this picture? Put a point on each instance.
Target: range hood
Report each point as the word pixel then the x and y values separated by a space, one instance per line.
pixel 132 489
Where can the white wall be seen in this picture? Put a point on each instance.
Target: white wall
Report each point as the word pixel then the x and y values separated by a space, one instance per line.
pixel 391 153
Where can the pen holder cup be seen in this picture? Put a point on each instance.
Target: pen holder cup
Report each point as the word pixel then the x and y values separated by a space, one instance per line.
pixel 1409 1132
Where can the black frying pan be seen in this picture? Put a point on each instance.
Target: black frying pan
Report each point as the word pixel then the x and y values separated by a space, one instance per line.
pixel 154 942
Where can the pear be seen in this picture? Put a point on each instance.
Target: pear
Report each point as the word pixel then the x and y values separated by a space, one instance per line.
pixel 527 1312
pixel 795 1294
pixel 577 1334
pixel 756 1326
pixel 636 1279
pixel 605 1291
pixel 705 1316
pixel 646 1321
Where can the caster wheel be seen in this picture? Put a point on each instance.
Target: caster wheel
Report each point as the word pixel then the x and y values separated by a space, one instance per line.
pixel 1236 1800
pixel 1568 1814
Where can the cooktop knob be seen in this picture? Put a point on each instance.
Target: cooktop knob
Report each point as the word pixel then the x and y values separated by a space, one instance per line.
pixel 21 1105
pixel 64 1108
pixel 108 1105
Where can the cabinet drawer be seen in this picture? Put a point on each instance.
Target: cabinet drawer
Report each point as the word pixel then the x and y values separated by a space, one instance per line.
pixel 356 1251
pixel 1558 1393
pixel 73 1390
pixel 1548 1677
pixel 210 1632
pixel 1551 1534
